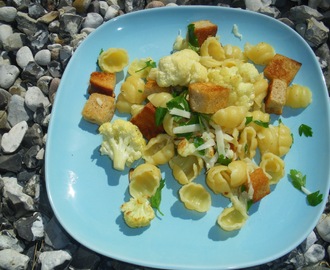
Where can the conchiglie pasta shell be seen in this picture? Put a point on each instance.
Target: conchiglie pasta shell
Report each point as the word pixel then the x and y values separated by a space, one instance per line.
pixel 230 117
pixel 217 179
pixel 284 140
pixel 159 150
pixel 298 96
pixel 144 180
pixel 160 99
pixel 238 173
pixel 133 90
pixel 195 197
pixel 231 219
pixel 186 169
pixel 212 47
pixel 260 54
pixel 113 60
pixel 273 166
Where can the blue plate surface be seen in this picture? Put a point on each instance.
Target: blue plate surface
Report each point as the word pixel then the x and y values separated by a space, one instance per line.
pixel 86 193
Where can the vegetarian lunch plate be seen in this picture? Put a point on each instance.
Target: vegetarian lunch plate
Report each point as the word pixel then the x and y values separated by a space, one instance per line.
pixel 86 193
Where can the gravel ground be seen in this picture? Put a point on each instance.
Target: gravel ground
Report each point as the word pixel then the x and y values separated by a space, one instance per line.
pixel 37 39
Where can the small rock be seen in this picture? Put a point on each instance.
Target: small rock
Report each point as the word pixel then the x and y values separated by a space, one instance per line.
pixel 33 136
pixel 92 20
pixel 53 89
pixel 81 5
pixel 32 187
pixel 155 4
pixel 54 68
pixel 5 32
pixel 17 110
pixel 24 56
pixel 4 120
pixel 14 42
pixel 12 260
pixel 30 228
pixel 8 14
pixel 70 24
pixel 9 241
pixel 49 17
pixel 302 13
pixel 32 72
pixel 35 10
pixel 309 241
pixel 43 57
pixel 314 254
pixel 12 140
pixel 43 83
pixel 13 193
pixel 11 163
pixel 65 55
pixel 30 158
pixel 323 227
pixel 85 259
pixel 34 98
pixel 111 13
pixel 103 8
pixel 58 259
pixel 316 32
pixel 4 98
pixel 8 75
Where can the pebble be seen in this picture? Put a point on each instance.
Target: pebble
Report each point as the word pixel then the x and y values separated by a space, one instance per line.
pixel 12 260
pixel 43 57
pixel 323 227
pixel 17 110
pixel 5 32
pixel 14 42
pixel 12 140
pixel 8 14
pixel 50 260
pixel 8 75
pixel 55 236
pixel 92 20
pixel 30 228
pixel 314 254
pixel 111 13
pixel 9 241
pixel 24 56
pixel 35 98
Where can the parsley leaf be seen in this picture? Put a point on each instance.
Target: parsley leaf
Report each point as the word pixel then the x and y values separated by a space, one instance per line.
pixel 148 63
pixel 160 114
pixel 305 130
pixel 299 182
pixel 192 39
pixel 249 119
pixel 224 160
pixel 157 197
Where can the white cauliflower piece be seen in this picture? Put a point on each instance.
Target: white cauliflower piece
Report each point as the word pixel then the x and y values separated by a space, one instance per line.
pixel 122 142
pixel 180 68
pixel 138 212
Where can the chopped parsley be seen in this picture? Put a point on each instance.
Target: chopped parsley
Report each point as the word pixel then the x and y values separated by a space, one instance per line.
pixel 305 130
pixel 156 199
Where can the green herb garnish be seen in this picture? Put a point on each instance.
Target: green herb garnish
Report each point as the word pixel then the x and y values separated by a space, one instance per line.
pixel 148 63
pixel 224 160
pixel 305 130
pixel 156 199
pixel 192 39
pixel 299 182
pixel 249 119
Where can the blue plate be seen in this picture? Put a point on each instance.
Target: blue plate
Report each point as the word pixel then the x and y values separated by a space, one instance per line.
pixel 86 193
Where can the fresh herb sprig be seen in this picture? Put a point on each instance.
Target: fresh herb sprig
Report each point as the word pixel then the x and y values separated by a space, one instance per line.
pixel 149 64
pixel 299 182
pixel 249 119
pixel 305 130
pixel 156 199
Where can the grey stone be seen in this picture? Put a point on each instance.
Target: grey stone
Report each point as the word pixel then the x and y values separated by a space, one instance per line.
pixel 43 57
pixel 111 13
pixel 12 260
pixel 12 140
pixel 55 236
pixel 302 13
pixel 30 228
pixel 35 10
pixel 58 259
pixel 17 110
pixel 32 72
pixel 314 254
pixel 33 136
pixel 8 75
pixel 55 69
pixel 316 33
pixel 323 227
pixel 32 187
pixel 65 55
pixel 30 158
pixel 8 14
pixel 85 259
pixel 92 20
pixel 14 42
pixel 8 240
pixel 70 24
pixel 35 98
pixel 4 98
pixel 4 120
pixel 24 56
pixel 49 17
pixel 5 31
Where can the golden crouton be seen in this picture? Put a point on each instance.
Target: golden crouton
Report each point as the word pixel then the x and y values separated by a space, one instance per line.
pixel 145 120
pixel 207 97
pixel 260 184
pixel 99 108
pixel 276 97
pixel 282 67
pixel 152 87
pixel 103 83
pixel 204 29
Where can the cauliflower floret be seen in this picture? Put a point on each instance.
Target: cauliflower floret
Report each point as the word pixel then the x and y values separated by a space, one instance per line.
pixel 138 212
pixel 180 68
pixel 122 142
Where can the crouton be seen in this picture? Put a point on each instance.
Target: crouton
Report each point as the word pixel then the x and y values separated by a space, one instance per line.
pixel 99 108
pixel 260 184
pixel 276 97
pixel 152 87
pixel 145 120
pixel 282 67
pixel 103 83
pixel 204 29
pixel 207 97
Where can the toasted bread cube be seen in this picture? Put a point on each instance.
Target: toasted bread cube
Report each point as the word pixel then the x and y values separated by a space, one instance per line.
pixel 282 67
pixel 145 120
pixel 152 87
pixel 260 184
pixel 99 108
pixel 207 97
pixel 204 29
pixel 103 83
pixel 276 97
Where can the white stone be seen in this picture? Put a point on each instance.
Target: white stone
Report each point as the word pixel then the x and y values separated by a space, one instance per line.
pixel 314 254
pixel 35 98
pixel 323 227
pixel 103 7
pixel 13 260
pixel 12 139
pixel 92 20
pixel 9 241
pixel 43 57
pixel 309 241
pixel 50 259
pixel 111 13
pixel 8 14
pixel 24 56
pixel 38 228
pixel 8 75
pixel 5 32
